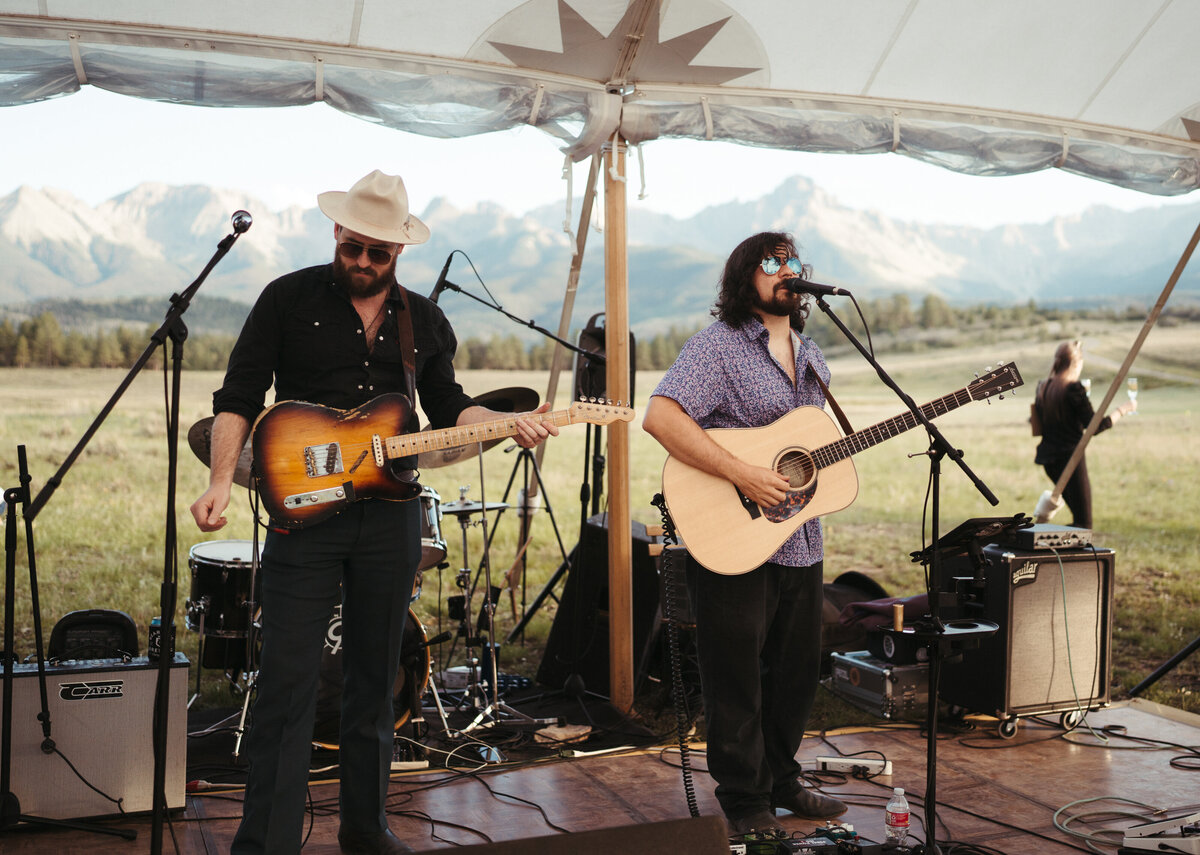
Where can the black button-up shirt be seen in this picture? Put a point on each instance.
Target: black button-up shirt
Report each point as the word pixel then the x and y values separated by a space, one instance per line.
pixel 305 337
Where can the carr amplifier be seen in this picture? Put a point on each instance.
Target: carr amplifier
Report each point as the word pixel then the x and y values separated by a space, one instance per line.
pixel 884 689
pixel 101 719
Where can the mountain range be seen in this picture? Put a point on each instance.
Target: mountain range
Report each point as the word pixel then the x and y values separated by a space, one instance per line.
pixel 155 239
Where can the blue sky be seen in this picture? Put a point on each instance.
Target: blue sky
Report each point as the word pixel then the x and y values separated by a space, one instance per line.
pixel 96 145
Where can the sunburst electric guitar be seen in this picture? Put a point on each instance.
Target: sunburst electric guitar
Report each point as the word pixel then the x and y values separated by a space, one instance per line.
pixel 311 461
pixel 729 534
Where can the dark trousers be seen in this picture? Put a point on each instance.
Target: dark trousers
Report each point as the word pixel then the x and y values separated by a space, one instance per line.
pixel 1078 491
pixel 366 558
pixel 758 636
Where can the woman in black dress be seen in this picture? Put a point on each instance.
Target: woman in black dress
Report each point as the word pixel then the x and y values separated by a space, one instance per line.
pixel 1065 411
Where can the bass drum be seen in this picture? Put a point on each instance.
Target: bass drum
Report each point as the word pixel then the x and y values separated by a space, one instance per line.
pixel 409 688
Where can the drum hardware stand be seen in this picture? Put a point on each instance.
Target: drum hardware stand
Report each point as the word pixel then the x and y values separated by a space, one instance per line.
pixel 491 710
pixel 174 329
pixel 202 610
pixel 526 460
pixel 250 665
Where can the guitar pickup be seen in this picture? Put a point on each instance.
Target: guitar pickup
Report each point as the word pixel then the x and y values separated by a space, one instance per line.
pixel 341 493
pixel 322 460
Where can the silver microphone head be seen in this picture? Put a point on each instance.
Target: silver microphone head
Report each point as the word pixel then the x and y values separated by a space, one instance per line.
pixel 241 221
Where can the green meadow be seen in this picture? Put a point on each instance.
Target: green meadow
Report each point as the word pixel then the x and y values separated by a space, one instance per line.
pixel 99 540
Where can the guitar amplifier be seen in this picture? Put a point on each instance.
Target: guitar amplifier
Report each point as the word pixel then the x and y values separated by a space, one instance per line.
pixel 1053 650
pixel 101 717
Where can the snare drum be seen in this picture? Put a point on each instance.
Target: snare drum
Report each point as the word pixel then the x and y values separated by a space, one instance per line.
pixel 219 604
pixel 433 545
pixel 407 692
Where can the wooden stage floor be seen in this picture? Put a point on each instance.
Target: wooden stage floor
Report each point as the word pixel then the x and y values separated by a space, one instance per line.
pixel 994 792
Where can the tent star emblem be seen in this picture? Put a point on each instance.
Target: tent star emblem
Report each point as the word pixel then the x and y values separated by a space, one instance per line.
pixel 589 53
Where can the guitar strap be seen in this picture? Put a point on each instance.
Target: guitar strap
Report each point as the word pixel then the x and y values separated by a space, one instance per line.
pixel 408 348
pixel 833 404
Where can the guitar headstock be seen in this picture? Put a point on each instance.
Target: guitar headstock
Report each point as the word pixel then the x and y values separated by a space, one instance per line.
pixel 599 412
pixel 997 382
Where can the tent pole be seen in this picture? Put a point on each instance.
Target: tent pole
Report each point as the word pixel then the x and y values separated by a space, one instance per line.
pixel 1050 502
pixel 620 525
pixel 564 324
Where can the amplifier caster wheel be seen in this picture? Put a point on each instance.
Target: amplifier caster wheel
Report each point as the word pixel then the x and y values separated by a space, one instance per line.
pixel 1007 728
pixel 1070 719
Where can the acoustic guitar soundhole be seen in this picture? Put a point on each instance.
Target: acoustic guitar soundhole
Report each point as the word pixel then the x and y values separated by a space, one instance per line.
pixel 797 466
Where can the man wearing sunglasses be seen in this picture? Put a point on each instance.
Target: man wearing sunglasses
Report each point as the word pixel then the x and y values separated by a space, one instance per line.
pixel 758 634
pixel 339 335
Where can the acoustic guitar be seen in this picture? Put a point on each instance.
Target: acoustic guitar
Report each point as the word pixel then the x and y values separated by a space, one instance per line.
pixel 311 461
pixel 729 534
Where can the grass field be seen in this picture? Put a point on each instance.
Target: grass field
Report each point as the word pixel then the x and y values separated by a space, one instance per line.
pixel 100 537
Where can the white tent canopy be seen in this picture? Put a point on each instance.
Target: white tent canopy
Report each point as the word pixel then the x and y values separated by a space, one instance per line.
pixel 1099 88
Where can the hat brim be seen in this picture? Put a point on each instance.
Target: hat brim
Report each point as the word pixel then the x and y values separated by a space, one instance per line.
pixel 333 205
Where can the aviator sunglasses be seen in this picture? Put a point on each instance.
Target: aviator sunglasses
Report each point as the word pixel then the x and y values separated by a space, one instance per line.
pixel 771 265
pixel 351 252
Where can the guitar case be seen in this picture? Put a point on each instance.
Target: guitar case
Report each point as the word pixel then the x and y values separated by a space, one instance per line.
pixel 836 637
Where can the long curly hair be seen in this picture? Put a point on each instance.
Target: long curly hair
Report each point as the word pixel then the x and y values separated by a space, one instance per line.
pixel 735 300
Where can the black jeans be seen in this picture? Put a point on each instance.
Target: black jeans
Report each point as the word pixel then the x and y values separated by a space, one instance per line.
pixel 365 557
pixel 758 636
pixel 1078 491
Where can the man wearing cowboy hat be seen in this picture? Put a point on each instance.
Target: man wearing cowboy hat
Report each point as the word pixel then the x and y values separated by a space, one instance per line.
pixel 338 334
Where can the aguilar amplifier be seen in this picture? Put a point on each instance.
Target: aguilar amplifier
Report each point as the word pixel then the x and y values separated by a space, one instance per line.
pixel 1051 653
pixel 101 716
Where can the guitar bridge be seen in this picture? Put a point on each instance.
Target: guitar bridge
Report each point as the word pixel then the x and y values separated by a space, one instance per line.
pixel 321 460
pixel 751 507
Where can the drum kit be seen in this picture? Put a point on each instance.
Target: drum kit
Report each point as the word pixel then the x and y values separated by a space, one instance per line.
pixel 223 606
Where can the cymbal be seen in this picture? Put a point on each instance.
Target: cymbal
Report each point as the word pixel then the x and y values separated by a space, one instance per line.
pixel 461 508
pixel 513 399
pixel 200 440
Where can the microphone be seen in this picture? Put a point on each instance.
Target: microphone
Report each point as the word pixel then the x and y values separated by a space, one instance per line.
pixel 798 286
pixel 441 280
pixel 241 221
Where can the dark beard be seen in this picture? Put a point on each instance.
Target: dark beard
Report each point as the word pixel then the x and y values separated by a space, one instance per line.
pixel 781 304
pixel 362 286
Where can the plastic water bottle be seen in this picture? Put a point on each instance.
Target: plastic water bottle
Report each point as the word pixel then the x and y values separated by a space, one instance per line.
pixel 895 817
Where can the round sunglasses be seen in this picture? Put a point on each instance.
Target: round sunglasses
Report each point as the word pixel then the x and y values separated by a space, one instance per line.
pixel 771 265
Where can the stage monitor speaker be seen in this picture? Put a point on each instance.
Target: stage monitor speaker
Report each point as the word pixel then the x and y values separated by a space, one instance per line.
pixel 702 835
pixel 579 637
pixel 101 716
pixel 1052 651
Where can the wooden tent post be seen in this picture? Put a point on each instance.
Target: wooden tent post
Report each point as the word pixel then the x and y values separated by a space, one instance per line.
pixel 620 524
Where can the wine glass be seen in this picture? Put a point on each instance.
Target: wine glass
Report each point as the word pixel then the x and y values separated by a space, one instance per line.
pixel 1131 389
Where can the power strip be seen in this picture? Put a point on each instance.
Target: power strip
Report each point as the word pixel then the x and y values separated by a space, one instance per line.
pixel 409 765
pixel 852 764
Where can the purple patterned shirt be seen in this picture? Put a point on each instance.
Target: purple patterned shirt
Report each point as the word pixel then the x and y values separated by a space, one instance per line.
pixel 726 377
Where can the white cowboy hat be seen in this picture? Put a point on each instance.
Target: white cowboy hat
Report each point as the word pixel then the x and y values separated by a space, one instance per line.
pixel 377 207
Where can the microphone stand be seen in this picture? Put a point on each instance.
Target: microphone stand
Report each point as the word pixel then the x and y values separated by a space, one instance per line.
pixel 930 630
pixel 172 328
